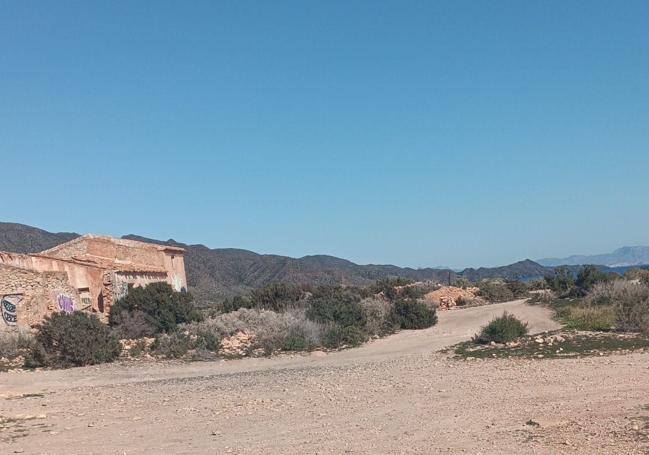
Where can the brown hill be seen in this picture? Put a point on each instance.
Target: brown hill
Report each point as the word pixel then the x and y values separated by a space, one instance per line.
pixel 214 274
pixel 20 238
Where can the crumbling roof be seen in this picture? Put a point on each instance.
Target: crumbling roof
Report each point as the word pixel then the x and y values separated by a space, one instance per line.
pixel 116 241
pixel 86 260
pixel 111 264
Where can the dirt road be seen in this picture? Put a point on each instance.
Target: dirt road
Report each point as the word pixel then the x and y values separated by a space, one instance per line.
pixel 395 395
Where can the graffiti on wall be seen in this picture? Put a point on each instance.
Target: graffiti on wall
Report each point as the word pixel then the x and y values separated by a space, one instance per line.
pixel 8 307
pixel 65 303
pixel 120 289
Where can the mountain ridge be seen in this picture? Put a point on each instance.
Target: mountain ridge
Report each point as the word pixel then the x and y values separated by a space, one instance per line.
pixel 622 257
pixel 218 273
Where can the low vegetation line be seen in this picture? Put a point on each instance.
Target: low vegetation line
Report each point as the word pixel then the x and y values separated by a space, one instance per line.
pixel 560 344
pixel 600 312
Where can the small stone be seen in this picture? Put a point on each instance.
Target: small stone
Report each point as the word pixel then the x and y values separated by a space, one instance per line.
pixel 318 354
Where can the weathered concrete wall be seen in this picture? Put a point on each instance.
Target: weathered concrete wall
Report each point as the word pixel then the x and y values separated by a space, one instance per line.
pixel 175 266
pixel 79 276
pixel 27 296
pixel 95 270
pixel 129 252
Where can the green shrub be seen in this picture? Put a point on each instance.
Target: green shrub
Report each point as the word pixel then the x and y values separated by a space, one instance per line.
pixel 132 325
pixel 73 339
pixel 162 307
pixel 494 291
pixel 341 307
pixel 502 329
pixel 561 280
pixel 412 314
pixel 588 317
pixel 171 346
pixel 275 297
pixel 234 303
pixel 344 336
pixel 206 341
pixel 296 342
pixel 588 277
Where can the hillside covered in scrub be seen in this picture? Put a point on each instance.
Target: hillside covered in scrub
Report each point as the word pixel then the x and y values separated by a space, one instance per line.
pixel 215 274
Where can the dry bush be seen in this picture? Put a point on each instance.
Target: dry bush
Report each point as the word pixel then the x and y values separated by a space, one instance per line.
pixel 133 325
pixel 464 301
pixel 630 300
pixel 171 346
pixel 15 343
pixel 542 296
pixel 379 316
pixel 268 329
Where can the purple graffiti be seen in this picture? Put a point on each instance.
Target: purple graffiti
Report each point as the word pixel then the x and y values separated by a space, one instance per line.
pixel 65 303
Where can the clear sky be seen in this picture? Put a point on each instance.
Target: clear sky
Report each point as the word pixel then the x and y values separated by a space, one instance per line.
pixel 418 133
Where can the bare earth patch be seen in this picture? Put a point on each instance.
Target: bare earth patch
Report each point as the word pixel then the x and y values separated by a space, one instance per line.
pixel 395 395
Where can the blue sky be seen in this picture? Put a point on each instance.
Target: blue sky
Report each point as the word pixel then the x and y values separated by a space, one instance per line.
pixel 417 133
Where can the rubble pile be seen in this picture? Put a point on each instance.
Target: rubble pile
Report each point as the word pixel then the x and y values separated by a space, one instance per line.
pixel 236 345
pixel 446 297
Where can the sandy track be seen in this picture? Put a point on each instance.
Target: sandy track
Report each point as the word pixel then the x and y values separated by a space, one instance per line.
pixel 395 395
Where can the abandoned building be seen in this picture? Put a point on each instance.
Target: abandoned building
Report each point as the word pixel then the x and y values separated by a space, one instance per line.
pixel 88 273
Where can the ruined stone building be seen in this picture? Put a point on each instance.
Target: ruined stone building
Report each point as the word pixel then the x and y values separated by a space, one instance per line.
pixel 88 273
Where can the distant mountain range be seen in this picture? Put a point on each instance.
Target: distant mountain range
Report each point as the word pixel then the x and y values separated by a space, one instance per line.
pixel 623 257
pixel 214 274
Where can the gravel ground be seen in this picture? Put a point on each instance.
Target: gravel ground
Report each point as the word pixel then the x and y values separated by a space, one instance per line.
pixel 395 395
